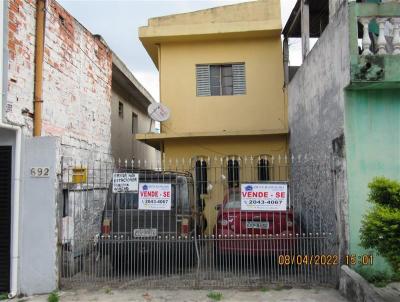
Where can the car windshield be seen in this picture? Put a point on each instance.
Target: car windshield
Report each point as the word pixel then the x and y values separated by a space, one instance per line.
pixel 233 200
pixel 128 201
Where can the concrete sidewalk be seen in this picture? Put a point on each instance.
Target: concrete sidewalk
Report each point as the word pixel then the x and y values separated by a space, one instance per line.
pixel 121 295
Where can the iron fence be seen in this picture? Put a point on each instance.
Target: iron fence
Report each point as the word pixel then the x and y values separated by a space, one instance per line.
pixel 199 222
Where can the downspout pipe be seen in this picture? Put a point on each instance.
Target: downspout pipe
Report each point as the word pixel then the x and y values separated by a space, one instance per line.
pixel 39 54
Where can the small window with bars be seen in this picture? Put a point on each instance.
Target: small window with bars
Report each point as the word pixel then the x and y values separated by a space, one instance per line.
pixel 233 173
pixel 220 79
pixel 201 181
pixel 263 169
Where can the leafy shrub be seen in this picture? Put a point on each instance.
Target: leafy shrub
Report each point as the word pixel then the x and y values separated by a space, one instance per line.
pixel 385 192
pixel 377 277
pixel 215 296
pixel 381 225
pixel 53 297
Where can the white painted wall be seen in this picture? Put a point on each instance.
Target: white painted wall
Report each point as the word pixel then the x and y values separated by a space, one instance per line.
pixel 38 252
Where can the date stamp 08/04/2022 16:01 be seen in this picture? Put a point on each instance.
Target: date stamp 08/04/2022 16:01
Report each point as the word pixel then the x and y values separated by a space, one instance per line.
pixel 325 260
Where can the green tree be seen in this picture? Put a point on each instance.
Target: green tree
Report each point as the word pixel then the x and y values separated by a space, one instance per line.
pixel 381 225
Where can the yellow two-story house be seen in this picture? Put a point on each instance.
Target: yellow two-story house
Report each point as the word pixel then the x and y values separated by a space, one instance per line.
pixel 221 77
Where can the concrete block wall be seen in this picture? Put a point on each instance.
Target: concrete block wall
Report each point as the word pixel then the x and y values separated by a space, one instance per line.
pixel 316 122
pixel 76 84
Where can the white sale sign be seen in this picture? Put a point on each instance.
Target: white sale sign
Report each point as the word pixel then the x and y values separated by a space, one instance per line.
pixel 155 196
pixel 125 182
pixel 263 197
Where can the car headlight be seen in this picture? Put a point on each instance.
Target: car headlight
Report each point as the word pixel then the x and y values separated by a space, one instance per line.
pixel 223 222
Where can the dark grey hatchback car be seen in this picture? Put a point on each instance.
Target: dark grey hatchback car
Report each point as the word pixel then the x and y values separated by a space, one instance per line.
pixel 130 236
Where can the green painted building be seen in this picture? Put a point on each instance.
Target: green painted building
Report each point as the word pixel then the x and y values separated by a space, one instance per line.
pixel 344 101
pixel 372 110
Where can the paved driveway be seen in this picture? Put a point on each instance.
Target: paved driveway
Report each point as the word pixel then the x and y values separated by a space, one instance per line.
pixel 112 295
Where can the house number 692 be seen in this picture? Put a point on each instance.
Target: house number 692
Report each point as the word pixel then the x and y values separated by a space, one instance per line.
pixel 40 172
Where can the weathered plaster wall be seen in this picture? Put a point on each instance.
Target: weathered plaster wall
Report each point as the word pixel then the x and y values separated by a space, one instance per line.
pixel 76 85
pixel 316 122
pixel 334 5
pixel 372 149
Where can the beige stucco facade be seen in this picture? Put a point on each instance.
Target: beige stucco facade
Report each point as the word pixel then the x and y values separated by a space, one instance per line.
pixel 246 125
pixel 248 33
pixel 190 113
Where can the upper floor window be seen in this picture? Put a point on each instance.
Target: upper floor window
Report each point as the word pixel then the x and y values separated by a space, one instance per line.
pixel 121 109
pixel 134 123
pixel 220 79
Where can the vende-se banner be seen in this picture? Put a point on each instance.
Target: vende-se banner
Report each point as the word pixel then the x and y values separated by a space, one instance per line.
pixel 155 196
pixel 264 196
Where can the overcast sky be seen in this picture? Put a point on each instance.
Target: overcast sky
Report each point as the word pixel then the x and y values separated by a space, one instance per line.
pixel 117 21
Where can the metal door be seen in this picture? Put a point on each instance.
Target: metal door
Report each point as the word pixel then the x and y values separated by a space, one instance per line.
pixel 5 216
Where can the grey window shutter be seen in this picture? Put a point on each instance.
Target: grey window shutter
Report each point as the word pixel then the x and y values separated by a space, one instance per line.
pixel 203 80
pixel 239 79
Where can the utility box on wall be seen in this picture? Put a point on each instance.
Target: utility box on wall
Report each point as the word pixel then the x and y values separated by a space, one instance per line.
pixel 38 250
pixel 79 175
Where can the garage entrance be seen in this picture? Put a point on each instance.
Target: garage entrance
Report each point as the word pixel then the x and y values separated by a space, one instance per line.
pixel 198 223
pixel 5 216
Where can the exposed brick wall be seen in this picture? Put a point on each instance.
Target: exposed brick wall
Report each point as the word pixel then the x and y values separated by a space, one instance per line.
pixel 76 80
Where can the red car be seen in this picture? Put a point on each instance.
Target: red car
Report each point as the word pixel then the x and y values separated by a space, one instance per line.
pixel 252 232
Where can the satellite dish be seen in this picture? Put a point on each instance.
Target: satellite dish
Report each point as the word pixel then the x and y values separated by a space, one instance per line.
pixel 158 112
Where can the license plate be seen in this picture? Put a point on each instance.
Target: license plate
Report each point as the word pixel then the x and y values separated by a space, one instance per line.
pixel 257 225
pixel 145 232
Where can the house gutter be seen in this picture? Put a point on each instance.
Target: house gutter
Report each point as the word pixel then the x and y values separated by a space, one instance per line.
pixel 39 53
